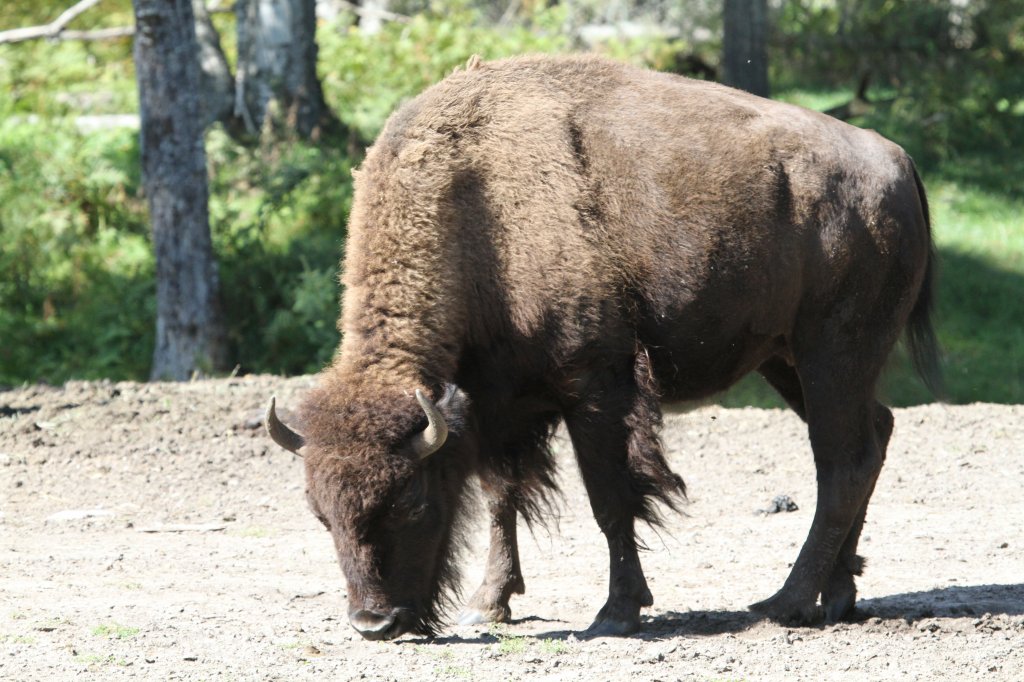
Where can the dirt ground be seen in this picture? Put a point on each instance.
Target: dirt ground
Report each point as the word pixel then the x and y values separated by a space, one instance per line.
pixel 152 531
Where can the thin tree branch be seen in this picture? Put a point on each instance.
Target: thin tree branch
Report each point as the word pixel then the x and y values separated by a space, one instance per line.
pixel 97 34
pixel 50 30
pixel 70 13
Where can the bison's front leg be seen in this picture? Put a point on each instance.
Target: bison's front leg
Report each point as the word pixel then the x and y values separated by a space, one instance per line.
pixel 503 577
pixel 614 433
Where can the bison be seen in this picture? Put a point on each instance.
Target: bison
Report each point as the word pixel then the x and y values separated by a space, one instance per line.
pixel 569 239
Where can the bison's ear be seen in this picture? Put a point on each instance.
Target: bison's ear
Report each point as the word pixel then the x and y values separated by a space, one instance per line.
pixel 454 405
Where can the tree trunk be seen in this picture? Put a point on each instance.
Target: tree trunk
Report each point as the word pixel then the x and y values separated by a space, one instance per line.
pixel 744 59
pixel 217 85
pixel 189 329
pixel 371 19
pixel 276 82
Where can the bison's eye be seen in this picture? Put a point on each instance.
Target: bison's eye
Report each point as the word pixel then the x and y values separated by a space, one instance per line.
pixel 401 515
pixel 410 505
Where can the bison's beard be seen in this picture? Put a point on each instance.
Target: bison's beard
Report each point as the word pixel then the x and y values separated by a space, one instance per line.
pixel 446 594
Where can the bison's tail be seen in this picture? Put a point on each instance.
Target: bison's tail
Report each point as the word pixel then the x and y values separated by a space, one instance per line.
pixel 921 341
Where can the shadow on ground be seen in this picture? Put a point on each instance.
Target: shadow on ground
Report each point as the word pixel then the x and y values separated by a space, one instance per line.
pixel 948 602
pixel 678 624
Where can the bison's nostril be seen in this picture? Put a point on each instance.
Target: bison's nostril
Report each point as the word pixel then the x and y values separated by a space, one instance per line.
pixel 370 624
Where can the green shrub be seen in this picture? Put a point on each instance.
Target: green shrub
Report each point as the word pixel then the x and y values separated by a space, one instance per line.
pixel 947 76
pixel 278 218
pixel 51 78
pixel 76 287
pixel 76 269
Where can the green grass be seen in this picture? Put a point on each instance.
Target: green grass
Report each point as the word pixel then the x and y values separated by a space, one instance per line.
pixel 980 312
pixel 115 631
pixel 509 644
pixel 101 660
pixel 27 640
pixel 554 647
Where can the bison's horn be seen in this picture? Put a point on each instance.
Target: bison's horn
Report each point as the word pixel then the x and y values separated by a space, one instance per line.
pixel 282 435
pixel 430 440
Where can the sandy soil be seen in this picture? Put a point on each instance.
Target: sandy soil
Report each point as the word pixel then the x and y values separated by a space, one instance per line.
pixel 152 531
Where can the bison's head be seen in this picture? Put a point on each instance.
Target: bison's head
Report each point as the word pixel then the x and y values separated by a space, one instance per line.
pixel 387 479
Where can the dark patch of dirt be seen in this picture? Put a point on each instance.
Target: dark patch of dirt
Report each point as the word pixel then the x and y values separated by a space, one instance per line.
pixel 152 531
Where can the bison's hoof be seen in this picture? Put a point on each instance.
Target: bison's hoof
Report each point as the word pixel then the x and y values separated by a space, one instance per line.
pixel 782 609
pixel 619 617
pixel 610 627
pixel 473 616
pixel 838 601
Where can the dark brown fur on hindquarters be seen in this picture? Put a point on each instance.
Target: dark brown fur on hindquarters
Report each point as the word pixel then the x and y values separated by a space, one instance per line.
pixel 549 238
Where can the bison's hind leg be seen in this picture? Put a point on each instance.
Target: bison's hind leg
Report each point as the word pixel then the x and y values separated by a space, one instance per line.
pixel 517 479
pixel 849 432
pixel 503 576
pixel 840 592
pixel 795 604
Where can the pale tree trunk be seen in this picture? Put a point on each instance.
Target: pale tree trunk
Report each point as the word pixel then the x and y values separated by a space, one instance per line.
pixel 217 85
pixel 744 58
pixel 276 82
pixel 371 19
pixel 189 329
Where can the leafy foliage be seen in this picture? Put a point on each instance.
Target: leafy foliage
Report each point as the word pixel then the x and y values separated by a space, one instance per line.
pixel 76 292
pixel 278 218
pixel 52 78
pixel 367 76
pixel 76 287
pixel 76 268
pixel 947 75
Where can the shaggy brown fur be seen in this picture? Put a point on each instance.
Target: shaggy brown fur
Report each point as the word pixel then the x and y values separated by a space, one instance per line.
pixel 572 238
